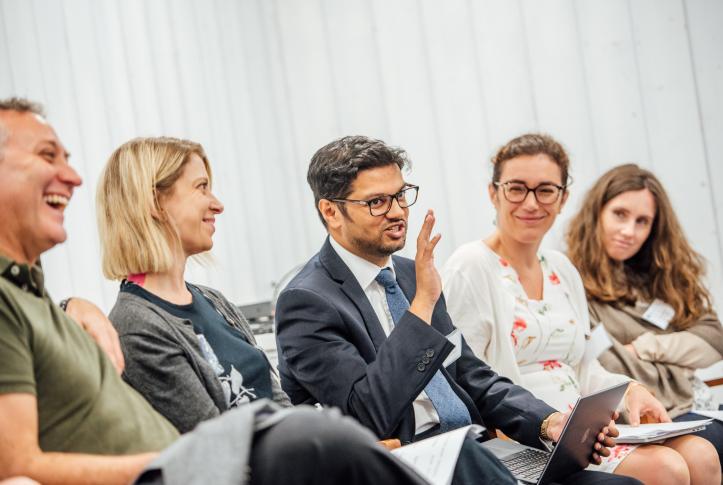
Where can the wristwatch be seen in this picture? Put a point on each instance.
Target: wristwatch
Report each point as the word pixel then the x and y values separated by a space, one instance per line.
pixel 543 428
pixel 64 304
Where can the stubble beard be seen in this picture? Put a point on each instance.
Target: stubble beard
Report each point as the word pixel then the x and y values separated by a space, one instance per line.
pixel 377 248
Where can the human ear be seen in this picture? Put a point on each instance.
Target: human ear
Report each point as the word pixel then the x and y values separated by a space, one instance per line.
pixel 157 213
pixel 493 193
pixel 565 195
pixel 330 212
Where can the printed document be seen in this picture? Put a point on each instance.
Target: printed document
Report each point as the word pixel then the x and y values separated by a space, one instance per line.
pixel 647 433
pixel 435 458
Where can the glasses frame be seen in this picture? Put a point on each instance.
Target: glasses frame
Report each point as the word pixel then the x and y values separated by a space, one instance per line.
pixel 392 197
pixel 504 185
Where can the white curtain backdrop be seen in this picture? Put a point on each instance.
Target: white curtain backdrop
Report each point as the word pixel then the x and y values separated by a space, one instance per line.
pixel 263 83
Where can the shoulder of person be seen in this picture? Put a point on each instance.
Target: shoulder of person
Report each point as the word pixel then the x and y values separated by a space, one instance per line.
pixel 311 274
pixel 215 294
pixel 473 261
pixel 560 262
pixel 473 251
pixel 134 314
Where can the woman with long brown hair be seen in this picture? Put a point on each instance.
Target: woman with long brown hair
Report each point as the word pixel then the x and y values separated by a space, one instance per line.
pixel 635 261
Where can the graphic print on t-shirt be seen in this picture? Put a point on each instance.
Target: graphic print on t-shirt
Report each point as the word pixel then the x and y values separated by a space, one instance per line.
pixel 234 389
pixel 232 381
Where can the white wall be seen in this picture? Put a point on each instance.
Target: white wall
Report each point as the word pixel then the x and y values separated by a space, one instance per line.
pixel 262 84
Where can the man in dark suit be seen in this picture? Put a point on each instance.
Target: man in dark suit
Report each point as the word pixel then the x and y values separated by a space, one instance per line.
pixel 369 333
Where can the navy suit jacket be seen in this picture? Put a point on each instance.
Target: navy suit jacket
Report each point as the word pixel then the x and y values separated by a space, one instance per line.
pixel 333 350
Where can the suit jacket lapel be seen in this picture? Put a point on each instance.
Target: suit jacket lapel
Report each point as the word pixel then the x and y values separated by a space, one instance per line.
pixel 340 272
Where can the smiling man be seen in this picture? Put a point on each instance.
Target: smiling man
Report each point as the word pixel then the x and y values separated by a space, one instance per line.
pixel 66 416
pixel 368 332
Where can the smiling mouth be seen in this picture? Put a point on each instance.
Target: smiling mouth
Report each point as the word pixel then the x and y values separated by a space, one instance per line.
pixel 530 219
pixel 56 201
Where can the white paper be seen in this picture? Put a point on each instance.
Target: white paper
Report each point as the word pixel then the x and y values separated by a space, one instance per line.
pixel 659 314
pixel 456 339
pixel 435 458
pixel 598 343
pixel 711 414
pixel 654 430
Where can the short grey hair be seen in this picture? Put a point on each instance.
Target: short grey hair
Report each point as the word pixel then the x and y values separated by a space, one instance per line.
pixel 21 105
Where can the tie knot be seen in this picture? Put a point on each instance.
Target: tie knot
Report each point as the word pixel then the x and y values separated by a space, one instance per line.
pixel 387 280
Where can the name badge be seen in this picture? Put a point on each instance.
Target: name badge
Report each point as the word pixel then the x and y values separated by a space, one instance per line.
pixel 598 343
pixel 659 314
pixel 456 339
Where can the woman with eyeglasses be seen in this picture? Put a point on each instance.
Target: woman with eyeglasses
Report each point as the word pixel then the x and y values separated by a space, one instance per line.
pixel 523 311
pixel 635 261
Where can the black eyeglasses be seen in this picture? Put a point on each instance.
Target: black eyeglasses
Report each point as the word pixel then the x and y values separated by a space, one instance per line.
pixel 380 205
pixel 516 192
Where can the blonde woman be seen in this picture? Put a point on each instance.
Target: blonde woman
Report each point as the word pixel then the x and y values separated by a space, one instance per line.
pixel 524 312
pixel 632 254
pixel 187 349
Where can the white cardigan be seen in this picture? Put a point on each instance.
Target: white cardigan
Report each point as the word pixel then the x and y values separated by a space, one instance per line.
pixel 483 311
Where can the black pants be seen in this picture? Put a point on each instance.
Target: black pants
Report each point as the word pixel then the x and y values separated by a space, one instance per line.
pixel 477 465
pixel 323 448
pixel 713 432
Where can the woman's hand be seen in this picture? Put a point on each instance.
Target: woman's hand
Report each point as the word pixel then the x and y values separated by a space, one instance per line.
pixel 640 403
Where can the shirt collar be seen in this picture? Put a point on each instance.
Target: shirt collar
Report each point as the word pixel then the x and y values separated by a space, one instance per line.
pixel 26 277
pixel 364 271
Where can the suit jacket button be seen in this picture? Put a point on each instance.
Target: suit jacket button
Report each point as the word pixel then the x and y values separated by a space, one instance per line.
pixel 425 360
pixel 421 367
pixel 430 352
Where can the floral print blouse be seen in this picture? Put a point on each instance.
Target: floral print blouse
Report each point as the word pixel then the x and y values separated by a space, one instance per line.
pixel 547 339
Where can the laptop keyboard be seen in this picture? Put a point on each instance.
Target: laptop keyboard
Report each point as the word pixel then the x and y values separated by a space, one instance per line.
pixel 527 464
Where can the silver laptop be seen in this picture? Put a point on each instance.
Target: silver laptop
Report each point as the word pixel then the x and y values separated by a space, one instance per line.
pixel 571 454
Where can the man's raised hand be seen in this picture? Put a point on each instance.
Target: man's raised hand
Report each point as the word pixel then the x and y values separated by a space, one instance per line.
pixel 429 284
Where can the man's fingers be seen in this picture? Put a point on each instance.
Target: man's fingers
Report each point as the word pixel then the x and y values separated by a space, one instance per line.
pixel 613 430
pixel 107 339
pixel 108 344
pixel 596 458
pixel 429 250
pixel 119 359
pixel 427 226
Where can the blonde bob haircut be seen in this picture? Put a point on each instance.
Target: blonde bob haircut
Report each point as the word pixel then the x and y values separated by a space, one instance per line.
pixel 135 233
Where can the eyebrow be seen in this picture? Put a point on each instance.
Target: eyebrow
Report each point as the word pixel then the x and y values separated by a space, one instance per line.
pixel 518 181
pixel 381 194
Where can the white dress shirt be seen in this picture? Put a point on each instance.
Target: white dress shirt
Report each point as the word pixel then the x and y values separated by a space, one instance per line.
pixel 365 272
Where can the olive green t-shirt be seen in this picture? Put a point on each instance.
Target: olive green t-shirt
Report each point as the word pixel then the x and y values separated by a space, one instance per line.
pixel 83 405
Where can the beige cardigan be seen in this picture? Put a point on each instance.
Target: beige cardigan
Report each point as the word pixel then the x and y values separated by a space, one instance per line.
pixel 667 359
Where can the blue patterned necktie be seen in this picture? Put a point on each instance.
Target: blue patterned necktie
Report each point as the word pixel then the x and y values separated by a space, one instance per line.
pixel 450 408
